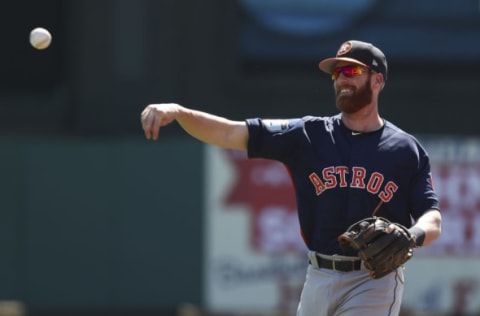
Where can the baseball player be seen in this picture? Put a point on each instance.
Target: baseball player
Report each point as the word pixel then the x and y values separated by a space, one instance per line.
pixel 344 168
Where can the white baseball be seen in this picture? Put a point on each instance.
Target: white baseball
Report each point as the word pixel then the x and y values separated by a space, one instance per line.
pixel 40 38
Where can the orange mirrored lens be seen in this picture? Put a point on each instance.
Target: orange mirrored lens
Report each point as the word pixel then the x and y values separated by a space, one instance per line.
pixel 348 71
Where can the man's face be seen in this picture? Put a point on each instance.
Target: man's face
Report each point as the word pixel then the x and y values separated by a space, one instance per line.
pixel 353 93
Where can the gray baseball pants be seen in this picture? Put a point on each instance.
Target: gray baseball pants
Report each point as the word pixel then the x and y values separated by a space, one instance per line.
pixel 334 293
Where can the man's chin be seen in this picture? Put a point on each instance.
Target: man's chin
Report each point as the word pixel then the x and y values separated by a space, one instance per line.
pixel 348 110
pixel 345 104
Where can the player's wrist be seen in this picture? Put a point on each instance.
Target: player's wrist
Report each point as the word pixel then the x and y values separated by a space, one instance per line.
pixel 418 235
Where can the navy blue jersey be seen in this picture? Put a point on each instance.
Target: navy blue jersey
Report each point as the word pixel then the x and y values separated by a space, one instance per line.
pixel 341 176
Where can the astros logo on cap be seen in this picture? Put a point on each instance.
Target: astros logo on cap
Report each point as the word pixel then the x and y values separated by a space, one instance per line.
pixel 345 48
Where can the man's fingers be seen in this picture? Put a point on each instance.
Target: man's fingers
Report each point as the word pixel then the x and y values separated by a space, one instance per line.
pixel 147 121
pixel 155 126
pixel 154 117
pixel 390 228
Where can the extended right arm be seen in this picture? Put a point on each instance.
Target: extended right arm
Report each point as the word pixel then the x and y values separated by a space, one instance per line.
pixel 205 127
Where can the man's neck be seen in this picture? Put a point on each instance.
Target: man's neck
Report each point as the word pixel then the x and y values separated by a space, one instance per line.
pixel 363 121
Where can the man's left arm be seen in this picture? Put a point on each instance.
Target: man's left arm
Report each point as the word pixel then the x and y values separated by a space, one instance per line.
pixel 427 228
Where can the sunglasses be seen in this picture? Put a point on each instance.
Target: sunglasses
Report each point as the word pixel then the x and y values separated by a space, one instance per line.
pixel 348 71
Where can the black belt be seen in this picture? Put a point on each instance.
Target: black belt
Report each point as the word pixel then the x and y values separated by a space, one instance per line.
pixel 338 264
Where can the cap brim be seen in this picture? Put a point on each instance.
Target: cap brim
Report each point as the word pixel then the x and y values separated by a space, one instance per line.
pixel 327 65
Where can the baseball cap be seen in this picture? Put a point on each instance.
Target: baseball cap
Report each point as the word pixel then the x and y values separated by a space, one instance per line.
pixel 360 53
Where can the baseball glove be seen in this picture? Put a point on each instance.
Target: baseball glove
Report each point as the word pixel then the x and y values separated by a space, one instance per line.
pixel 381 253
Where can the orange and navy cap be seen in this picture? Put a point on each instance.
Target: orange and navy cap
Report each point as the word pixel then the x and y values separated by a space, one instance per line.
pixel 360 53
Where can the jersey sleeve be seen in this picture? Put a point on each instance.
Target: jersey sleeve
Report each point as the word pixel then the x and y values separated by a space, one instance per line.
pixel 273 139
pixel 423 194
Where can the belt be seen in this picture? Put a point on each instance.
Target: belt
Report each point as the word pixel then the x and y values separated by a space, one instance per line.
pixel 343 265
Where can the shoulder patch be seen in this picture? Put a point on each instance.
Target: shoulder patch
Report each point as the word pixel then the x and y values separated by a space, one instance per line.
pixel 275 126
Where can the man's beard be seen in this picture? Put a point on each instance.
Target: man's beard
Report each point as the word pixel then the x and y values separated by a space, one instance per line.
pixel 360 98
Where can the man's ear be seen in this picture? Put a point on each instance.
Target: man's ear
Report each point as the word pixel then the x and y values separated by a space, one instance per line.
pixel 379 81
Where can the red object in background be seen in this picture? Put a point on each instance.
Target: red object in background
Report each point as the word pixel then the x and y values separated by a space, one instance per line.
pixel 266 188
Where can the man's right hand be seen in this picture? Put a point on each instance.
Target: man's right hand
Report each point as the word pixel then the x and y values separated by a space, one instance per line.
pixel 155 116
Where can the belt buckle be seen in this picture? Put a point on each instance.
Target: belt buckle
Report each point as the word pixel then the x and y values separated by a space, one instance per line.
pixel 334 268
